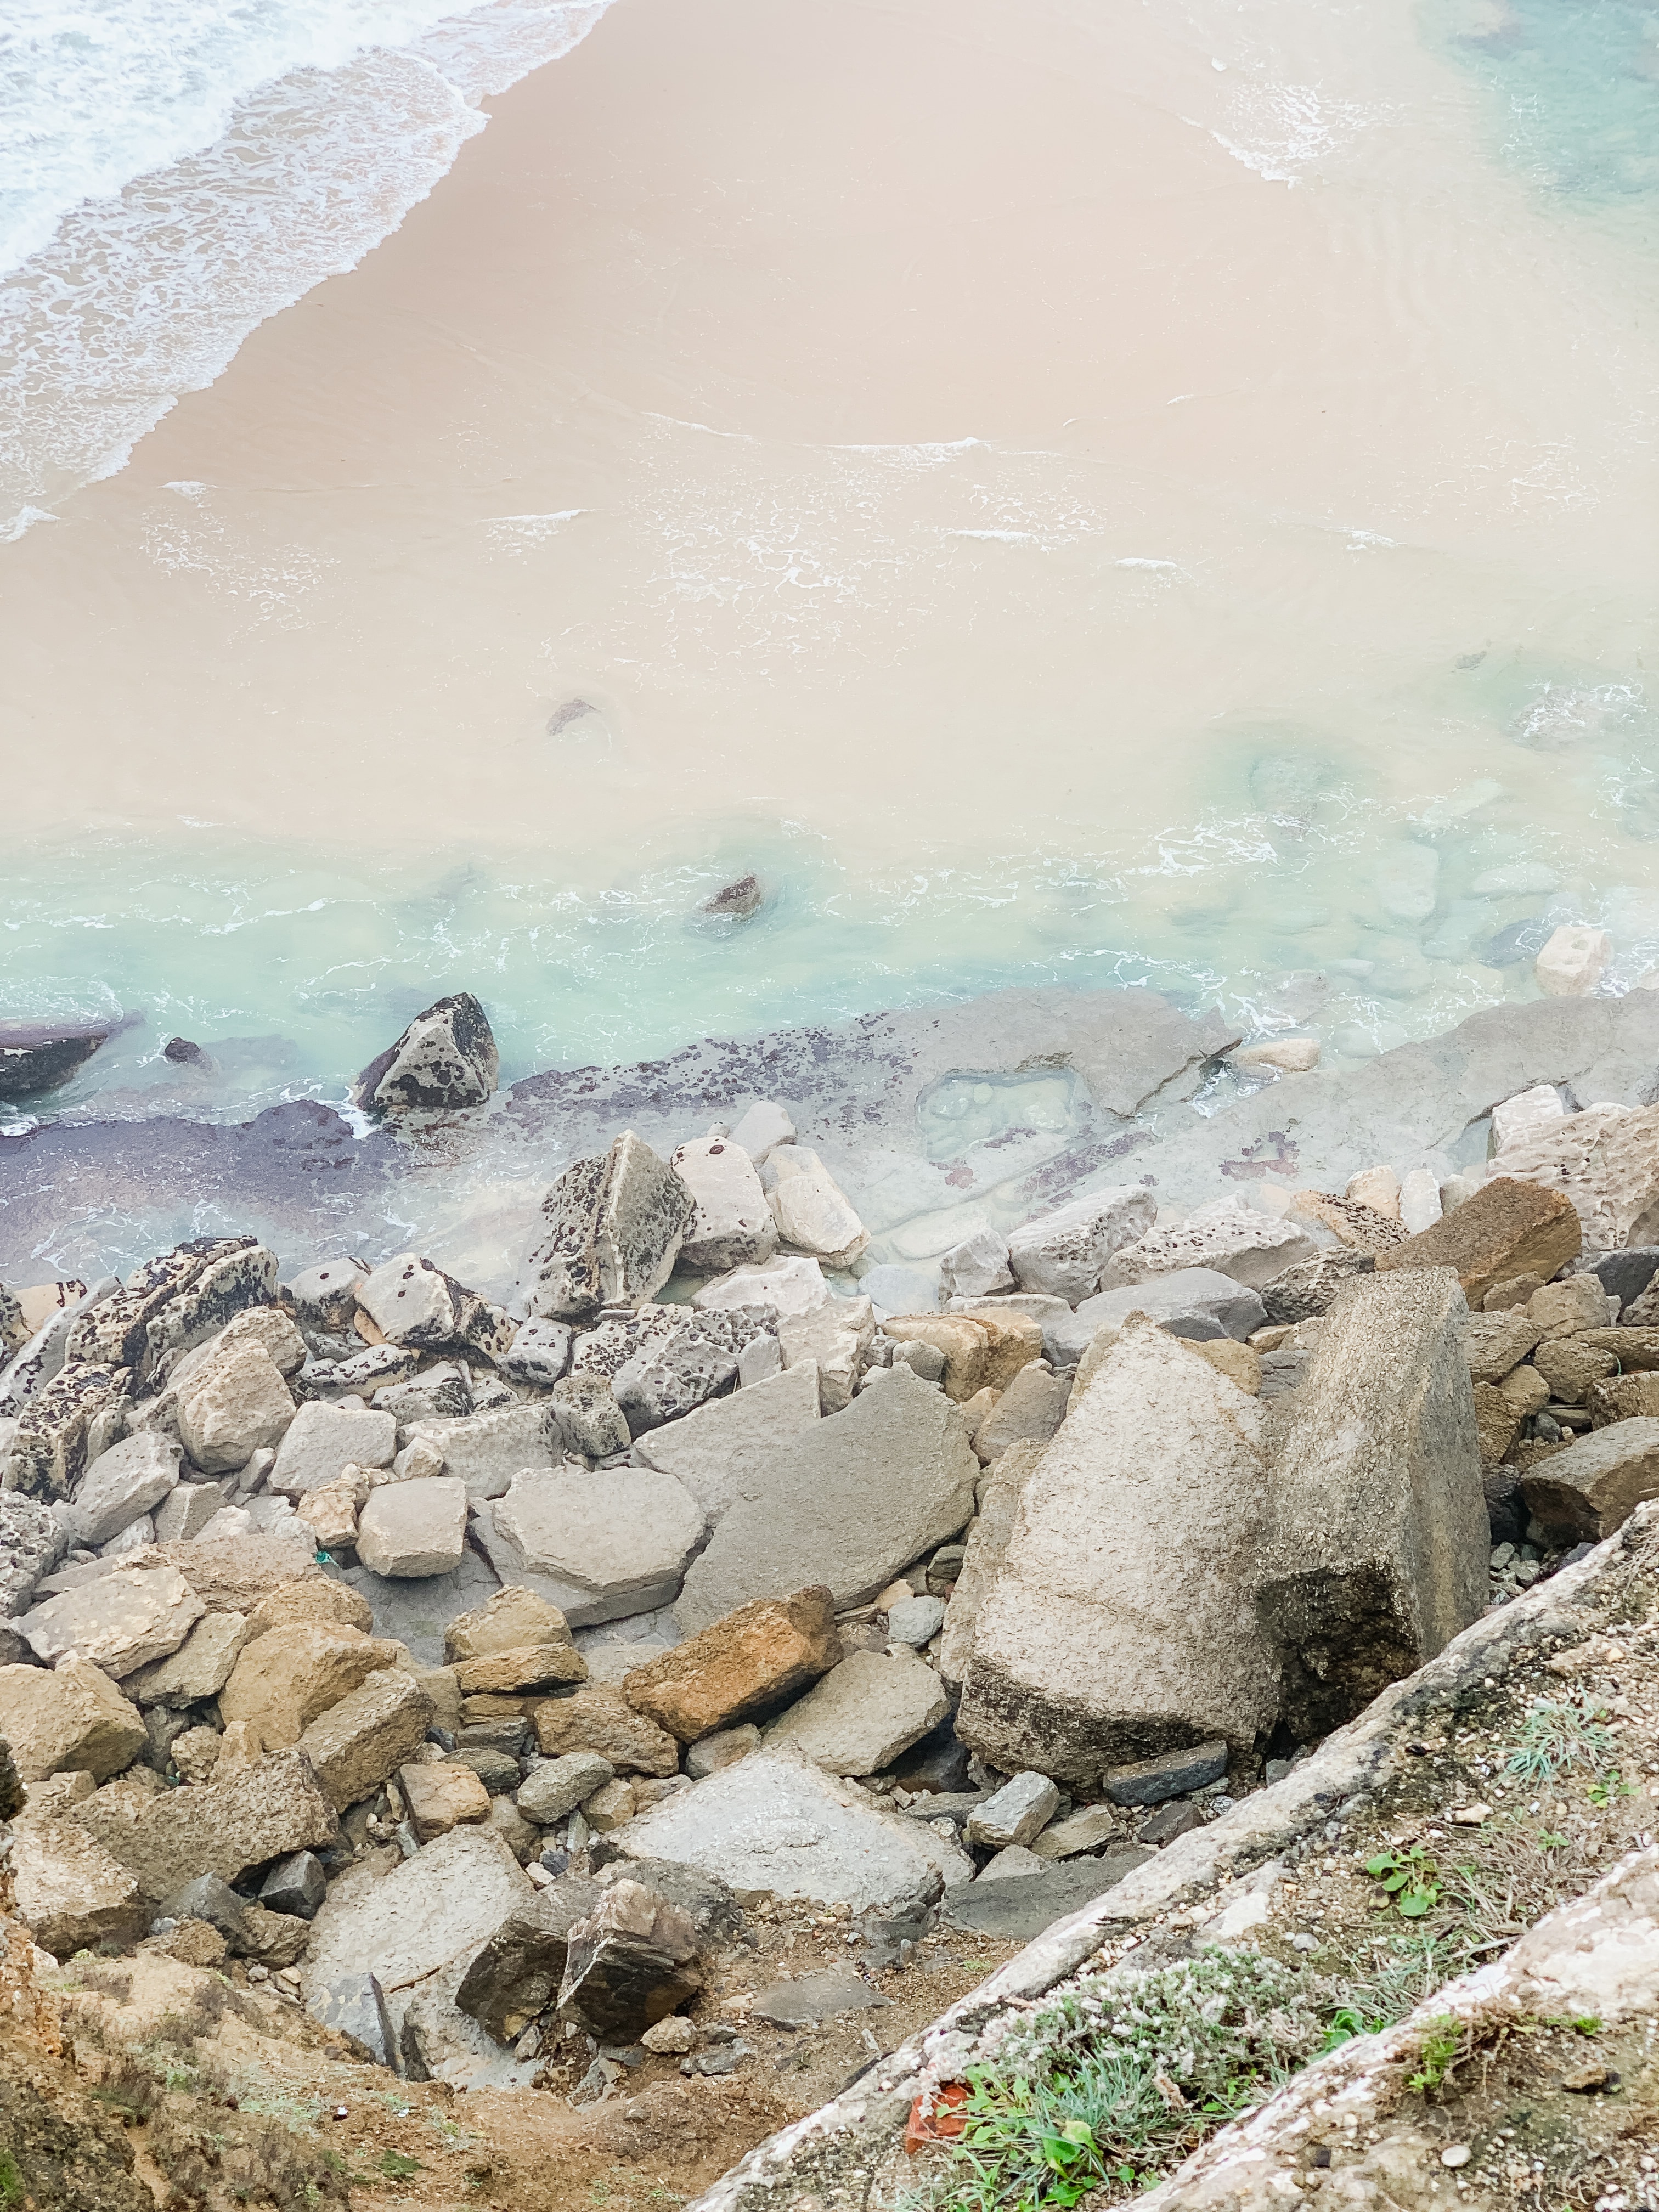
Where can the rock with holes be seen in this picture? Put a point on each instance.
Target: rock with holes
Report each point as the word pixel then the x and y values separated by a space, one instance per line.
pixel 413 1302
pixel 1061 1254
pixel 1226 1237
pixel 1309 1286
pixel 49 1447
pixel 614 1225
pixel 445 1058
pixel 31 1541
pixel 733 1225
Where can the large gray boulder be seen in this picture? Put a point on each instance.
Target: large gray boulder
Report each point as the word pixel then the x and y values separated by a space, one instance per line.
pixel 1192 1302
pixel 1122 1621
pixel 615 1225
pixel 486 1450
pixel 130 1479
pixel 443 1903
pixel 1375 1554
pixel 725 1450
pixel 858 1717
pixel 847 1503
pixel 447 1057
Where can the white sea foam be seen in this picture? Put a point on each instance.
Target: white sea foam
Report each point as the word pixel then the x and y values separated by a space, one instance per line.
pixel 176 172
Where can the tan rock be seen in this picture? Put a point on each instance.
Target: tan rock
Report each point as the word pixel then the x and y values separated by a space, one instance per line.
pixel 330 1512
pixel 1568 1308
pixel 532 1667
pixel 445 1692
pixel 195 1753
pixel 610 1805
pixel 1498 1423
pixel 760 1653
pixel 1286 1056
pixel 1493 1343
pixel 241 1746
pixel 244 1816
pixel 1592 1488
pixel 356 1744
pixel 316 1602
pixel 1525 1392
pixel 1605 1162
pixel 1350 1220
pixel 1236 1361
pixel 965 1343
pixel 1013 1342
pixel 1503 1297
pixel 1637 1350
pixel 1507 1228
pixel 71 1719
pixel 193 1943
pixel 595 1718
pixel 232 1574
pixel 71 1893
pixel 977 1410
pixel 441 1796
pixel 1623 1398
pixel 513 1617
pixel 199 1668
pixel 291 1676
pixel 1570 1367
pixel 236 1405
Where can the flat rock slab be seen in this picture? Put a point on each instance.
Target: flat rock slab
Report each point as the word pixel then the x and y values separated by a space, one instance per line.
pixel 1593 1487
pixel 775 1827
pixel 323 1441
pixel 728 1449
pixel 262 1812
pixel 1193 1302
pixel 449 1898
pixel 599 1546
pixel 1013 1912
pixel 120 1622
pixel 863 1714
pixel 849 1501
pixel 815 1997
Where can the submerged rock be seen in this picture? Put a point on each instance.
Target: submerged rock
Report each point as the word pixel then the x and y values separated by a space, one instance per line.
pixel 37 1057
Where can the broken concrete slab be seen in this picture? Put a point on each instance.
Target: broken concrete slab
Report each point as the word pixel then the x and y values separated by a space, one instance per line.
pixel 1016 1814
pixel 983 1557
pixel 862 1714
pixel 446 1900
pixel 725 1450
pixel 599 1546
pixel 120 1622
pixel 1171 1774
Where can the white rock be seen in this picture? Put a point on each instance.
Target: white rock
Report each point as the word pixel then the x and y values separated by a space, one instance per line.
pixel 600 1545
pixel 1605 1160
pixel 128 1479
pixel 1526 1116
pixel 978 1266
pixel 1419 1200
pixel 1290 1056
pixel 408 1301
pixel 133 1538
pixel 812 1213
pixel 1377 1188
pixel 789 1284
pixel 228 1520
pixel 237 1405
pixel 539 1354
pixel 835 1339
pixel 1060 1254
pixel 485 1451
pixel 733 1226
pixel 325 1440
pixel 765 1124
pixel 758 1361
pixel 409 1531
pixel 1571 963
pixel 725 1450
pixel 858 1717
pixel 1231 1239
pixel 185 1511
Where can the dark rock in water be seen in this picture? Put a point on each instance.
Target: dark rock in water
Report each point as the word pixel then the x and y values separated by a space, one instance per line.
pixel 445 1057
pixel 184 1054
pixel 1521 940
pixel 36 1056
pixel 737 901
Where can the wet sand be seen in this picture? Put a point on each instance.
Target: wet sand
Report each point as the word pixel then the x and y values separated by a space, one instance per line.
pixel 658 406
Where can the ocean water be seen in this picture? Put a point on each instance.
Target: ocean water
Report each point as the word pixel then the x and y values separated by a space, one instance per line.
pixel 1328 728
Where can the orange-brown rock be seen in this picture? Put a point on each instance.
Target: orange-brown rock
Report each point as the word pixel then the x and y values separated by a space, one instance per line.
pixel 294 1674
pixel 598 1718
pixel 527 1666
pixel 763 1652
pixel 1508 1228
pixel 1623 1398
pixel 513 1618
pixel 315 1602
pixel 1014 1341
pixel 964 1339
pixel 441 1796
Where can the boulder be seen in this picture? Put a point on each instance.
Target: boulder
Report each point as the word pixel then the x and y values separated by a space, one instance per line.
pixel 442 1795
pixel 1085 1830
pixel 1192 1303
pixel 49 1446
pixel 507 1621
pixel 185 1511
pixel 414 1304
pixel 724 1749
pixel 239 1820
pixel 1172 1774
pixel 599 1545
pixel 539 1354
pixel 1029 1411
pixel 315 1599
pixel 284 1681
pixel 849 1501
pixel 326 1296
pixel 862 1714
pixel 614 1227
pixel 959 1339
pixel 323 1441
pixel 1495 1343
pixel 753 1658
pixel 1060 1254
pixel 269 1327
pixel 668 1381
pixel 516 1974
pixel 1570 1309
pixel 1590 1489
pixel 367 1735
pixel 198 1669
pixel 295 1885
pixel 1375 1554
pixel 486 1450
pixel 724 1449
pixel 631 1962
pixel 409 1531
pixel 446 1060
pixel 173 1302
pixel 1569 1368
pixel 915 1621
pixel 554 1787
pixel 1509 1227
pixel 237 1405
pixel 1226 1237
pixel 37 1057
pixel 72 1894
pixel 440 1906
pixel 31 1541
pixel 521 1672
pixel 774 1825
pixel 1015 1814
pixel 813 1214
pixel 732 1226
pixel 330 1513
pixel 1622 1398
pixel 835 1339
pixel 1308 1286
pixel 978 1267
pixel 130 1479
pixel 598 1717
pixel 120 1622
pixel 69 1720
pixel 1121 1621
pixel 788 1285
pixel 1605 1162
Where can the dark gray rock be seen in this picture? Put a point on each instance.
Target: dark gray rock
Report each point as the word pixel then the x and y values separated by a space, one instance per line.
pixel 445 1058
pixel 207 1898
pixel 1172 1774
pixel 37 1057
pixel 1624 1275
pixel 634 1960
pixel 497 1769
pixel 703 1897
pixel 296 1884
pixel 1015 1912
pixel 814 1997
pixel 656 1386
pixel 938 1762
pixel 517 1974
pixel 353 2006
pixel 1169 1822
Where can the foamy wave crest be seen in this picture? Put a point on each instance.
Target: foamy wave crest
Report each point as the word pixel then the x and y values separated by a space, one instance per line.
pixel 202 203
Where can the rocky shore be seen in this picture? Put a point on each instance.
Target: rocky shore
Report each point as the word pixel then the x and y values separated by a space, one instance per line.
pixel 818 1539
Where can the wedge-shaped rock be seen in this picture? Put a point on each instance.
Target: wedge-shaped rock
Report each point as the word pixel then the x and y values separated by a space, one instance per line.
pixel 356 1744
pixel 849 1501
pixel 733 1225
pixel 325 1296
pixel 726 1450
pixel 1226 1237
pixel 863 1714
pixel 599 1545
pixel 833 1339
pixel 1592 1488
pixel 71 1720
pixel 412 1302
pixel 598 1717
pixel 755 1657
pixel 517 1974
pixel 323 1441
pixel 223 1827
pixel 1376 1552
pixel 507 1621
pixel 1121 1622
pixel 1193 1301
pixel 774 1826
pixel 173 1302
pixel 287 1679
pixel 443 1903
pixel 199 1668
pixel 1508 1228
pixel 446 1058
pixel 1060 1254
pixel 130 1478
pixel 634 1960
pixel 120 1622
pixel 813 1214
pixel 72 1894
pixel 615 1225
pixel 1029 1412
pixel 959 1339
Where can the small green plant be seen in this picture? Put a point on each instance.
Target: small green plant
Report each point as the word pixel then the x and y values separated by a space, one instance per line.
pixel 1411 1878
pixel 1611 1786
pixel 11 2179
pixel 1555 1736
pixel 1441 2048
pixel 396 2167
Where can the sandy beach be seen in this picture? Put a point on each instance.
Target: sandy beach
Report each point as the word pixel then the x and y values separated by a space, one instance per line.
pixel 893 420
